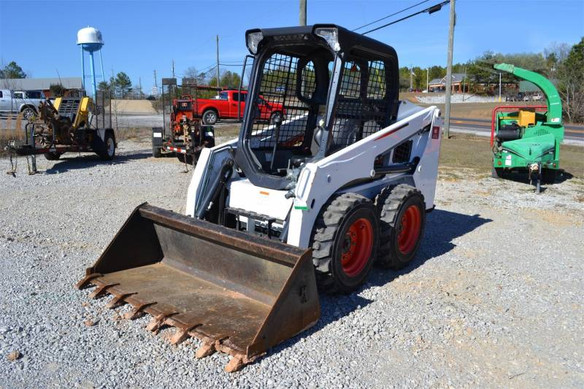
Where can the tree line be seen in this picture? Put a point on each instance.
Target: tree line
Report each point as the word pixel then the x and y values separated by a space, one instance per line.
pixel 561 63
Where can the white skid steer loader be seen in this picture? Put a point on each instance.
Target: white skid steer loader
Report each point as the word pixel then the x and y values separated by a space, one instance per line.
pixel 341 181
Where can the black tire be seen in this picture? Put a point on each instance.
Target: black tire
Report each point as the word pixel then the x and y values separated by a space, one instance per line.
pixel 185 158
pixel 28 113
pixel 401 211
pixel 548 176
pixel 156 152
pixel 210 117
pixel 52 156
pixel 344 242
pixel 108 149
pixel 275 117
pixel 497 172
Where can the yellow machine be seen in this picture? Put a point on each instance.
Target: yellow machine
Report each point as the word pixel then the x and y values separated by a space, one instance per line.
pixel 67 124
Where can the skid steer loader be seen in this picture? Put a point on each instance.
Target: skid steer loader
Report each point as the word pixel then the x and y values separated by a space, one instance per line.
pixel 342 181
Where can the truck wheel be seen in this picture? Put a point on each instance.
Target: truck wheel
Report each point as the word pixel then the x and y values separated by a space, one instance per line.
pixel 497 172
pixel 210 117
pixel 28 113
pixel 52 156
pixel 345 240
pixel 275 117
pixel 109 147
pixel 402 219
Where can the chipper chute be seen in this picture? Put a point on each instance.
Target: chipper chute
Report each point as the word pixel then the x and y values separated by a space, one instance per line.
pixel 237 293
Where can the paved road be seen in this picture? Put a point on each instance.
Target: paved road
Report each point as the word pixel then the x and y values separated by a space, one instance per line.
pixel 483 126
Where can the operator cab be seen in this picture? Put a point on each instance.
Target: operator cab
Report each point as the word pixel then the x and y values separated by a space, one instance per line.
pixel 335 87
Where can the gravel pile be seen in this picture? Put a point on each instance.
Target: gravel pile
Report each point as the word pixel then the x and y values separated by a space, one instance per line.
pixel 494 298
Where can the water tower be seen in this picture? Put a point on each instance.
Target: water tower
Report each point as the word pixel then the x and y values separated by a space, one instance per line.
pixel 90 41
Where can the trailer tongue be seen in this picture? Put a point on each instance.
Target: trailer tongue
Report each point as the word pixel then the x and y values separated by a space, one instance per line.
pixel 237 293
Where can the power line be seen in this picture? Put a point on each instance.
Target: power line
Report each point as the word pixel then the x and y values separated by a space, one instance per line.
pixel 430 10
pixel 206 69
pixel 393 14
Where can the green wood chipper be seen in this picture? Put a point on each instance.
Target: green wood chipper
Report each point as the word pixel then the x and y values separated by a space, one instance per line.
pixel 527 138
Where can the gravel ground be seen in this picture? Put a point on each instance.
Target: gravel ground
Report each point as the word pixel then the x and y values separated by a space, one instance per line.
pixel 494 298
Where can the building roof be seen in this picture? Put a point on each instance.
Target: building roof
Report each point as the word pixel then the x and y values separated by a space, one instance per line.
pixel 456 78
pixel 27 84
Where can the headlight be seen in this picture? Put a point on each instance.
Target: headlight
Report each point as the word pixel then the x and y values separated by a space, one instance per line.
pixel 330 35
pixel 253 41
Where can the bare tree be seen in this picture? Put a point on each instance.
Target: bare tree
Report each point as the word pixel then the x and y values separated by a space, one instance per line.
pixel 570 80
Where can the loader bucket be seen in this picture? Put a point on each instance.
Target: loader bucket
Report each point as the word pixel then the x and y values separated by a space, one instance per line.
pixel 238 293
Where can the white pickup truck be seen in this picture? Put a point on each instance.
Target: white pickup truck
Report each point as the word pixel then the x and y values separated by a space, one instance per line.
pixel 20 102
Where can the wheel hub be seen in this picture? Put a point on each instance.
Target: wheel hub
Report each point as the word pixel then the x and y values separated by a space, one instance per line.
pixel 356 247
pixel 409 229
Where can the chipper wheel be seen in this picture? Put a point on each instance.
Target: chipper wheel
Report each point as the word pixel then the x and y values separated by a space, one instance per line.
pixel 402 218
pixel 345 242
pixel 52 156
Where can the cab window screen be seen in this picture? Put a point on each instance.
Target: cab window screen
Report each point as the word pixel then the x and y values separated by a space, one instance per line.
pixel 277 97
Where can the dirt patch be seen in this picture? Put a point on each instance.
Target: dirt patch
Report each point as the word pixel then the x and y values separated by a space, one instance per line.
pixel 143 107
pixel 556 217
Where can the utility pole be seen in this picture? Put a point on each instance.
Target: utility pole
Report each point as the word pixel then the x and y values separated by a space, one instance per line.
pixel 217 62
pixel 302 14
pixel 172 88
pixel 140 86
pixel 449 69
pixel 411 78
pixel 427 80
pixel 155 82
pixel 464 86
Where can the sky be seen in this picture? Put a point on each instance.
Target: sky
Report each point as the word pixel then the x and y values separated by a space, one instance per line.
pixel 142 36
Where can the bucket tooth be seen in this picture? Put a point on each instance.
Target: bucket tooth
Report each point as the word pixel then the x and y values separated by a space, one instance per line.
pixel 182 334
pixel 100 290
pixel 84 282
pixel 235 364
pixel 158 321
pixel 118 300
pixel 237 293
pixel 205 350
pixel 137 311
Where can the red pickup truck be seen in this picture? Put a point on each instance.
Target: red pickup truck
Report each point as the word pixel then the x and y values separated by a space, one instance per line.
pixel 225 106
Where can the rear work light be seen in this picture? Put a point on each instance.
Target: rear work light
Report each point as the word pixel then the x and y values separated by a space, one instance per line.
pixel 330 35
pixel 253 40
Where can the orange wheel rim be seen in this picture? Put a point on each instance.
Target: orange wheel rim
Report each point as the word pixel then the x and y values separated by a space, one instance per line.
pixel 410 226
pixel 356 247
